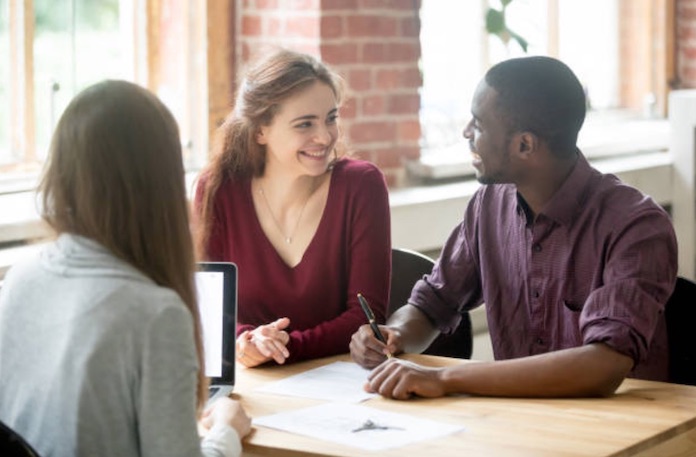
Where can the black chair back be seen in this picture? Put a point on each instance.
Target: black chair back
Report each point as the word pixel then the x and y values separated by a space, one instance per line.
pixel 680 314
pixel 407 268
pixel 12 444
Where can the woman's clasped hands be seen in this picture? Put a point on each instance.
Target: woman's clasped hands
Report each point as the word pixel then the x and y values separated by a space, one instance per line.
pixel 265 342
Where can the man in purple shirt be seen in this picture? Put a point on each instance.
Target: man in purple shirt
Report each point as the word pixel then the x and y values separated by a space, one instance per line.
pixel 574 266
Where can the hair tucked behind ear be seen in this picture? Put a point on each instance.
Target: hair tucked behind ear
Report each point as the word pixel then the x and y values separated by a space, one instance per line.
pixel 115 175
pixel 235 152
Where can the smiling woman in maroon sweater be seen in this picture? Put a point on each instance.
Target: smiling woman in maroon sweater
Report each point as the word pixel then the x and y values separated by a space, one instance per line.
pixel 309 230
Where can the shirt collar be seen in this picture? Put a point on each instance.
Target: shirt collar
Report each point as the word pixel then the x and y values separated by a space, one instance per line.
pixel 569 198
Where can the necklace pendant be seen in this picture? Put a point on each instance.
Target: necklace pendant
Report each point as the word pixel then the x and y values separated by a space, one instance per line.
pixel 288 240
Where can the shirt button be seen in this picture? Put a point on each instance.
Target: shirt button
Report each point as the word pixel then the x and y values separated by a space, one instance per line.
pixel 536 247
pixel 536 294
pixel 539 341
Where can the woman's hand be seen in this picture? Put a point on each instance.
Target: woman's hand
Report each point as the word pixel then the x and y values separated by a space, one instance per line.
pixel 264 343
pixel 227 411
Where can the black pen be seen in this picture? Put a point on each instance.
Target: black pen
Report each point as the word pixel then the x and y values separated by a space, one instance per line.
pixel 371 319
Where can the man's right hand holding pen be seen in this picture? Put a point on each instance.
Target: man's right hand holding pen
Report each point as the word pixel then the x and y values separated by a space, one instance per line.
pixel 368 351
pixel 403 332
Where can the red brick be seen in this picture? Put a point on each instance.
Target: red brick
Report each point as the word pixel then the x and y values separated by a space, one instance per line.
pixel 360 80
pixel 685 13
pixel 410 27
pixel 687 75
pixel 387 78
pixel 409 131
pixel 348 109
pixel 400 5
pixel 339 53
pixel 365 132
pixel 327 5
pixel 251 25
pixel 373 105
pixel 374 53
pixel 403 78
pixel 411 78
pixel 403 104
pixel 332 26
pixel 371 26
pixel 404 52
pixel 686 32
pixel 689 53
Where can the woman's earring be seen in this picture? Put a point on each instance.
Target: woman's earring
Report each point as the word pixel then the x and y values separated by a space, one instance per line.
pixel 333 162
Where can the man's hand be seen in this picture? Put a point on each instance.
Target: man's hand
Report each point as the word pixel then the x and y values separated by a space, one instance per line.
pixel 367 351
pixel 401 380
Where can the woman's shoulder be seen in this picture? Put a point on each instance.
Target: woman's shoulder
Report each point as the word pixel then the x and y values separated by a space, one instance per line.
pixel 352 170
pixel 358 179
pixel 349 165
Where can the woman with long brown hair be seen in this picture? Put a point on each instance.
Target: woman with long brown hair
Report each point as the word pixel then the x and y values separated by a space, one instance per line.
pixel 308 227
pixel 100 341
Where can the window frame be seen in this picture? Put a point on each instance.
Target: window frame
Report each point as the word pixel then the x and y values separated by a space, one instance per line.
pixel 148 33
pixel 648 24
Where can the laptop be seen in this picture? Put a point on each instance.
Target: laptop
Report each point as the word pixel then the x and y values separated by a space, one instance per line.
pixel 216 284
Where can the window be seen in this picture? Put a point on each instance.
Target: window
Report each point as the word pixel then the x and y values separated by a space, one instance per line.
pixel 617 49
pixel 4 83
pixel 52 49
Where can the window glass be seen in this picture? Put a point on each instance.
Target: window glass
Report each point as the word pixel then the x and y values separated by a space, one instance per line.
pixel 76 43
pixel 457 50
pixel 5 152
pixel 452 64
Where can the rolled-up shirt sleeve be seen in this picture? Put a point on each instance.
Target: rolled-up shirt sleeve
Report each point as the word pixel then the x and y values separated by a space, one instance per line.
pixel 625 312
pixel 454 285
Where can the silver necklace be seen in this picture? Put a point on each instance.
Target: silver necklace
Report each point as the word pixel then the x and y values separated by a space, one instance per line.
pixel 287 238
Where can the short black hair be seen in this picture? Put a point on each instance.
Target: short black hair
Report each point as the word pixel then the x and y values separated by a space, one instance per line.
pixel 541 95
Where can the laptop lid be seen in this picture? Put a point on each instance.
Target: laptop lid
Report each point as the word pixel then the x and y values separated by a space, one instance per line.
pixel 216 284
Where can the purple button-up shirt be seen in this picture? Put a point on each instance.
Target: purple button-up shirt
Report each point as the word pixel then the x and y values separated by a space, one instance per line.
pixel 596 265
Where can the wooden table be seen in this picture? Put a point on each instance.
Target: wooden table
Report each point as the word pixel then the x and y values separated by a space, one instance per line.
pixel 647 419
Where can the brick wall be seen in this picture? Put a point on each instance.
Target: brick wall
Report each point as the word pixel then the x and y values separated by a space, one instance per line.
pixel 373 44
pixel 686 43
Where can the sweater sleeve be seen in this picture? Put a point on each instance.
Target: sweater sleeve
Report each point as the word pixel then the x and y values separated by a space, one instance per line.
pixel 368 267
pixel 166 402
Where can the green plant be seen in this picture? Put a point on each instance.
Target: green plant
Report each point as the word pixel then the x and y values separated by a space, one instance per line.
pixel 496 25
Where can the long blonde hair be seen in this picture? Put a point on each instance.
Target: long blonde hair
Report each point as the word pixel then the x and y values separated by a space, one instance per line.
pixel 235 153
pixel 115 175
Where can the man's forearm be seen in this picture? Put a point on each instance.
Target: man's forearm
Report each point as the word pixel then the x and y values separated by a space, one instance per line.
pixel 415 330
pixel 587 371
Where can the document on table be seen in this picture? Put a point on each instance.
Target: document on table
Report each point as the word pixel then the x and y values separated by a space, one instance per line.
pixel 357 425
pixel 338 381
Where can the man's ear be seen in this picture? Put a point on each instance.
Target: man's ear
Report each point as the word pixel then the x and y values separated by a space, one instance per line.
pixel 524 143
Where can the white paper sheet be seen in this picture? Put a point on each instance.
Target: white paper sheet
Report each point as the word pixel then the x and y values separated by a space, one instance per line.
pixel 357 426
pixel 338 381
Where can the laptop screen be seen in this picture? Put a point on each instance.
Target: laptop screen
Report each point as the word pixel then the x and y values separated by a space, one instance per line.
pixel 217 294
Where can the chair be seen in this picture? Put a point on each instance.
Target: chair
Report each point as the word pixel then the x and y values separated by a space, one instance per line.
pixel 12 444
pixel 680 314
pixel 407 268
